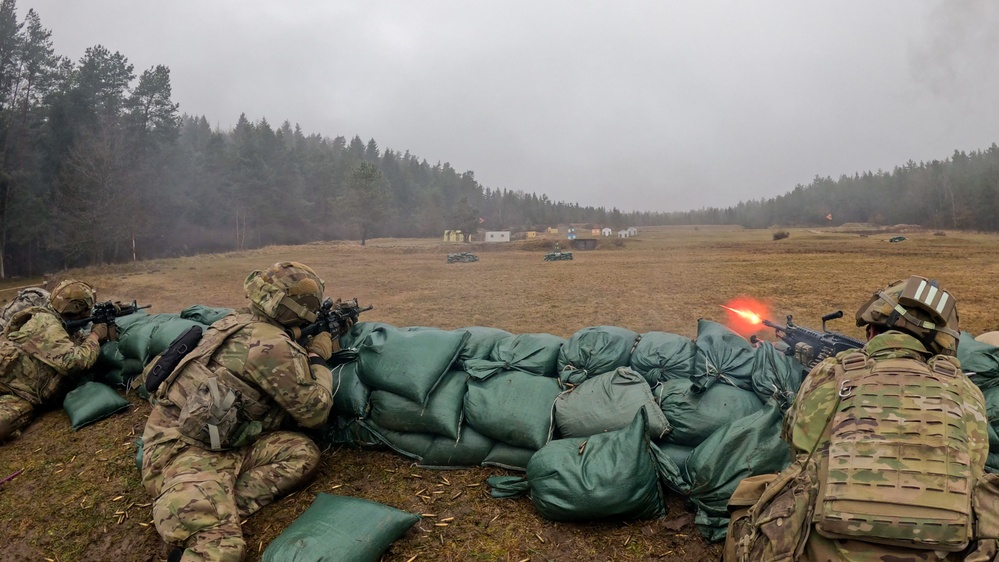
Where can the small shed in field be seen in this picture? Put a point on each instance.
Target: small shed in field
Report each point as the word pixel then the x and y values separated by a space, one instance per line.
pixel 632 231
pixel 594 232
pixel 622 234
pixel 531 234
pixel 552 230
pixel 497 236
pixel 607 232
pixel 453 236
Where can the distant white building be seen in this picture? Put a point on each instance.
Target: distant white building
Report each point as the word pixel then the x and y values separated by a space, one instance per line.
pixel 607 232
pixel 497 236
pixel 632 231
pixel 622 234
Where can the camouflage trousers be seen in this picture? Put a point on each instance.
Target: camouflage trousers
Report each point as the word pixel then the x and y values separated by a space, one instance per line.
pixel 15 414
pixel 203 495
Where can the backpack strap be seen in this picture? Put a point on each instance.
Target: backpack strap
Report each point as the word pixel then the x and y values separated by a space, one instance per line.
pixel 213 338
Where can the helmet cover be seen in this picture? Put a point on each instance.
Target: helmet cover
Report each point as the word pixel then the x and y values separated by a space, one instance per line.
pixel 286 292
pixel 919 307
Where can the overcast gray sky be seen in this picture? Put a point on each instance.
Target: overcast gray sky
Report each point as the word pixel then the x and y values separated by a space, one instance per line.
pixel 642 105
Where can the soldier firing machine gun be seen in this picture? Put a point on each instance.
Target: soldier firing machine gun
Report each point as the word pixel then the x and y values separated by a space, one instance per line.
pixel 808 346
pixel 104 313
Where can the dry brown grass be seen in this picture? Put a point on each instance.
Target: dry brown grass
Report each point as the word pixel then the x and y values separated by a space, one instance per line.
pixel 62 507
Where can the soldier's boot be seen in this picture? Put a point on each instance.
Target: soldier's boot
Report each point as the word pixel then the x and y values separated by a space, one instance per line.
pixel 15 414
pixel 274 466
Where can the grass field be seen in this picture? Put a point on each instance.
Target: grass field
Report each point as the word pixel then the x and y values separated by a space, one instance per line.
pixel 79 496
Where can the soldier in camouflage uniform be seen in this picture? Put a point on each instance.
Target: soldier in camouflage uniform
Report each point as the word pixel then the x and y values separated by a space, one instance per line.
pixel 213 452
pixel 39 360
pixel 889 442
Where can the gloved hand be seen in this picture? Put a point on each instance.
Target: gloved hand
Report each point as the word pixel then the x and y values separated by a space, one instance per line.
pixel 350 321
pixel 101 330
pixel 112 333
pixel 321 345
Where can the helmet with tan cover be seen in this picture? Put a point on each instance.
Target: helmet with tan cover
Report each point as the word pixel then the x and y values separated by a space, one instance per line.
pixel 73 298
pixel 286 292
pixel 917 306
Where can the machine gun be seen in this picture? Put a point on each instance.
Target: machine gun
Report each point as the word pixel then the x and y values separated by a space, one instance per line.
pixel 331 317
pixel 104 313
pixel 808 346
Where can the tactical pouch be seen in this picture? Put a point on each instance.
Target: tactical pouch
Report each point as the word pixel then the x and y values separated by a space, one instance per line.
pixel 780 521
pixel 218 410
pixel 986 502
pixel 210 414
pixel 9 355
pixel 746 494
pixel 899 468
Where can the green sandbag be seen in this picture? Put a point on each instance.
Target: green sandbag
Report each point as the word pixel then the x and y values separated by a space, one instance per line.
pixel 407 363
pixel 979 358
pixel 107 369
pixel 470 450
pixel 411 445
pixel 536 354
pixel 440 416
pixel 594 351
pixel 340 528
pixel 350 395
pixel 204 314
pixel 694 416
pixel 358 332
pixel 992 415
pixel 722 355
pixel 481 342
pixel 745 447
pixel 661 356
pixel 607 402
pixel 345 431
pixel 508 457
pixel 91 402
pixel 776 375
pixel 612 476
pixel 513 407
pixel 148 336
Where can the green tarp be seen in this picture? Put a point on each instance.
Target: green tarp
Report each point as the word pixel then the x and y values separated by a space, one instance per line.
pixel 513 407
pixel 661 356
pixel 407 363
pixel 608 402
pixel 593 351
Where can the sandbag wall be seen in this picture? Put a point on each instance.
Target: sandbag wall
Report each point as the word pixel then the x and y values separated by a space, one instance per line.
pixel 563 410
pixel 604 423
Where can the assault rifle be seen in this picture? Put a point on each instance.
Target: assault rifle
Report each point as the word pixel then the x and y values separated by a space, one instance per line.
pixel 104 313
pixel 808 346
pixel 331 317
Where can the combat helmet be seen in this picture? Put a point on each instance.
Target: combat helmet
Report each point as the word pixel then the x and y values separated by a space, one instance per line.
pixel 286 292
pixel 917 306
pixel 72 298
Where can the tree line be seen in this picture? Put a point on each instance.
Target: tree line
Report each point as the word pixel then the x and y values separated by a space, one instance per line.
pixel 98 165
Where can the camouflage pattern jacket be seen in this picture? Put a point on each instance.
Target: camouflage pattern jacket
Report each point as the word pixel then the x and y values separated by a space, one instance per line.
pixel 38 359
pixel 266 360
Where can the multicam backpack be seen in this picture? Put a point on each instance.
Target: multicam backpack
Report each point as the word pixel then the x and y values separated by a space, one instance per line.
pixel 26 298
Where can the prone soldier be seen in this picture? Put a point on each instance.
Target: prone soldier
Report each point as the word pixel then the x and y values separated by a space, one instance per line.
pixel 39 359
